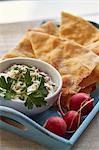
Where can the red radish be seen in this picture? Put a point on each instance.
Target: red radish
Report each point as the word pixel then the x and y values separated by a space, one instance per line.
pixel 56 125
pixel 72 119
pixel 82 102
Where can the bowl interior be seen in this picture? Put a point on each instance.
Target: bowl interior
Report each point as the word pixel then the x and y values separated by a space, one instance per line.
pixel 43 66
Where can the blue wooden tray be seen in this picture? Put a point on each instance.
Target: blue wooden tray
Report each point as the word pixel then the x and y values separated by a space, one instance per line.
pixel 31 127
pixel 34 131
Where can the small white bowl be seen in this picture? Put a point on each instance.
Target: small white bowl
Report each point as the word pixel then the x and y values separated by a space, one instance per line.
pixel 43 66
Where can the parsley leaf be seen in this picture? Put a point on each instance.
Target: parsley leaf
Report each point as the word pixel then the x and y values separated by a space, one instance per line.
pixel 37 97
pixel 1 91
pixel 44 91
pixel 31 101
pixel 42 88
pixel 10 94
pixel 9 82
pixel 3 83
pixel 6 84
pixel 28 78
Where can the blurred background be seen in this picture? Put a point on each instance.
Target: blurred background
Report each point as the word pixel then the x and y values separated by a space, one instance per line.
pixel 13 11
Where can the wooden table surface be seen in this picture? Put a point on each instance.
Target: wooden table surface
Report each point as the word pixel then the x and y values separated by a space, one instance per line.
pixel 10 35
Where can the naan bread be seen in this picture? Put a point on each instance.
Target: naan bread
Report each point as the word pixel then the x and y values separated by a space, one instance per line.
pixel 73 61
pixel 78 29
pixel 24 48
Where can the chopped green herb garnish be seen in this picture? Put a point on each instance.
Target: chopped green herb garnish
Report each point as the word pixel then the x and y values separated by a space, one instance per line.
pixel 1 91
pixel 25 83
pixel 3 83
pixel 37 97
pixel 28 79
pixel 31 101
pixel 6 83
pixel 10 94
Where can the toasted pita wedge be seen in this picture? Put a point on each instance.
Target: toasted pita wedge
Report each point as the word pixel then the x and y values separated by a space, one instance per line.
pixel 94 47
pixel 24 47
pixel 78 29
pixel 48 27
pixel 73 61
pixel 89 89
pixel 93 78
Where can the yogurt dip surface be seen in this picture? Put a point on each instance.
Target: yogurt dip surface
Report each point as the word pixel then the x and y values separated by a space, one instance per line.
pixel 28 84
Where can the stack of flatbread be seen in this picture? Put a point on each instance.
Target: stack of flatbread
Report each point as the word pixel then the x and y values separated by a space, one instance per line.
pixel 72 48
